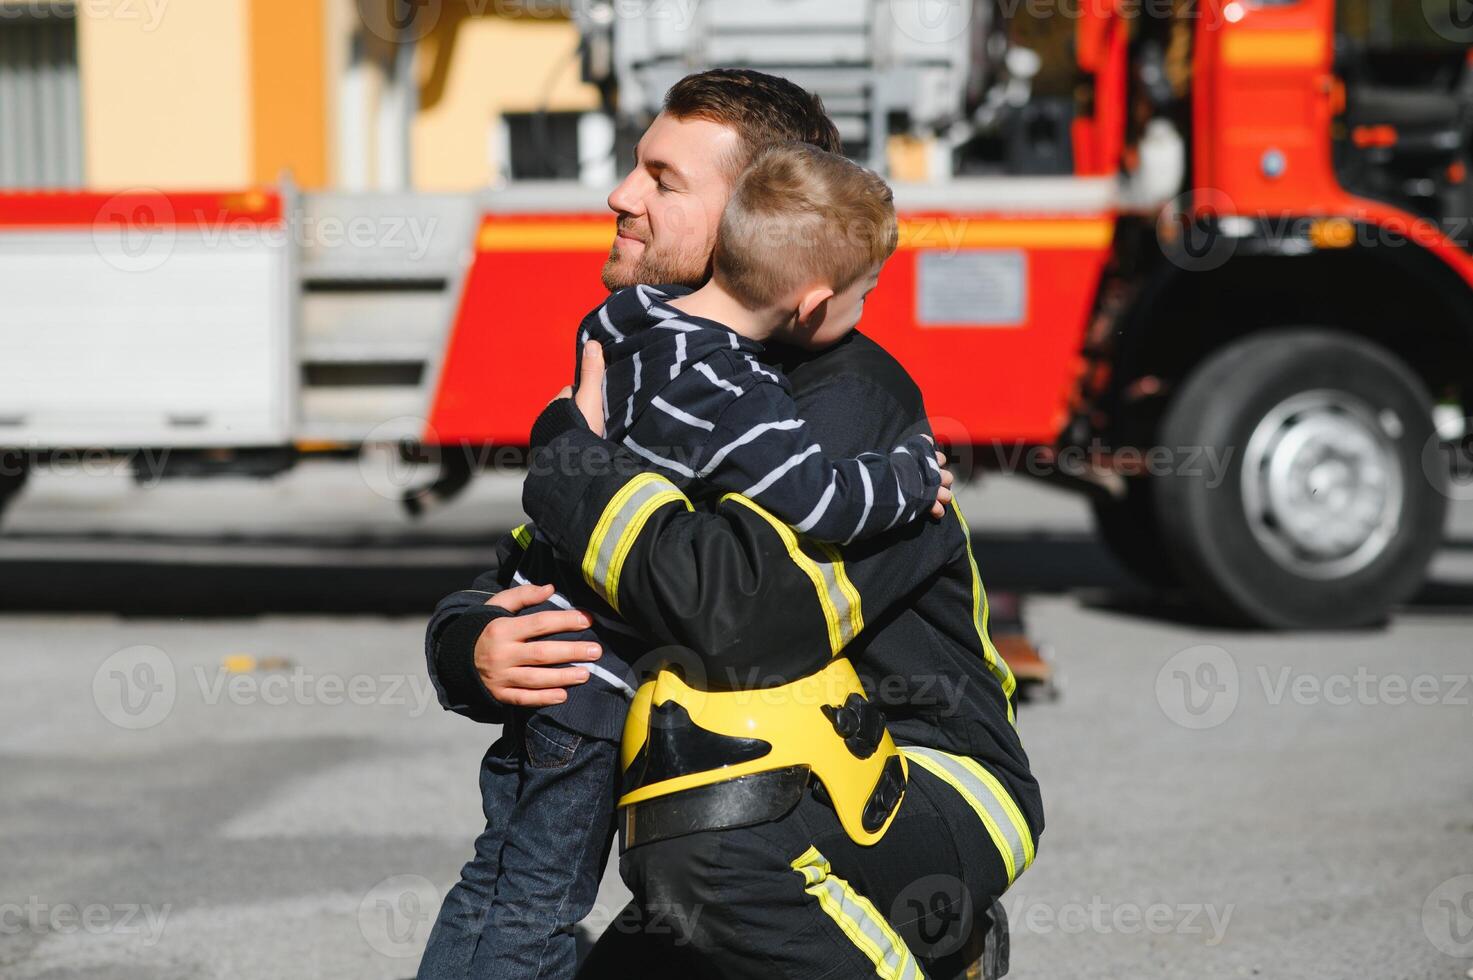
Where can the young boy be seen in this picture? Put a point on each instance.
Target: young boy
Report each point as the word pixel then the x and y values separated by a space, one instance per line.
pixel 800 244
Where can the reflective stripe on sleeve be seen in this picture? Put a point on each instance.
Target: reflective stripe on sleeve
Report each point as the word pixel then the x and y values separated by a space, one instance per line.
pixel 523 536
pixel 995 662
pixel 837 595
pixel 619 527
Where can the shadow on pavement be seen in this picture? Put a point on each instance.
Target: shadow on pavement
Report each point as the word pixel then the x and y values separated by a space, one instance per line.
pixel 146 576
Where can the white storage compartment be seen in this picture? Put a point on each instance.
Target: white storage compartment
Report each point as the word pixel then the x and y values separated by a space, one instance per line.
pixel 116 338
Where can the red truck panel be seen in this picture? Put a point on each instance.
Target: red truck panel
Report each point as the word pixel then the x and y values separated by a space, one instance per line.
pixel 535 276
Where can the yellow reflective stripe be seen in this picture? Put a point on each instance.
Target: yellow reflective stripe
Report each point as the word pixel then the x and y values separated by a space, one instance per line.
pixel 1009 805
pixel 593 556
pixel 1016 849
pixel 993 830
pixel 837 596
pixel 836 562
pixel 980 612
pixel 857 918
pixel 631 533
pixel 522 535
pixel 619 526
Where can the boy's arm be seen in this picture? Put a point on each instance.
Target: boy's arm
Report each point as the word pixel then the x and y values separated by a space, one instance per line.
pixel 736 586
pixel 761 449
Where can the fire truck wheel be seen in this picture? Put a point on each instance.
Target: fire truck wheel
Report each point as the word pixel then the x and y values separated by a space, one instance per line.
pixel 12 480
pixel 1298 497
pixel 1127 528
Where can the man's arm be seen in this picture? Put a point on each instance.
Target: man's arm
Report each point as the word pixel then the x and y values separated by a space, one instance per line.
pixel 482 657
pixel 761 448
pixel 736 585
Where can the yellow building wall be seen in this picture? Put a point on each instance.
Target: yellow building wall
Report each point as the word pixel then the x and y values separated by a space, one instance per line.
pixel 472 68
pixel 185 94
pixel 289 119
pixel 165 95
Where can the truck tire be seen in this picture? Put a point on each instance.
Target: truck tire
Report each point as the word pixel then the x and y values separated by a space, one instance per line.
pixel 12 481
pixel 1317 512
pixel 1128 529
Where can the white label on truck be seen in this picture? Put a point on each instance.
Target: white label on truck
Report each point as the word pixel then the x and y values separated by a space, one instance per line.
pixel 972 288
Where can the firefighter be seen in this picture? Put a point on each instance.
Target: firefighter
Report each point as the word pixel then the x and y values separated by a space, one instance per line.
pixel 886 799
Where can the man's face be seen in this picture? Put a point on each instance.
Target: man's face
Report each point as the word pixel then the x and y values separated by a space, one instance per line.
pixel 669 205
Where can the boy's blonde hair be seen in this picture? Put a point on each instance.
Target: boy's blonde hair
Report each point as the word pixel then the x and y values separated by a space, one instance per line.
pixel 798 216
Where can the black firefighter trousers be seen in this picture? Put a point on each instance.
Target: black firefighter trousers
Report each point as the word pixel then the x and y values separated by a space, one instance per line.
pixel 796 898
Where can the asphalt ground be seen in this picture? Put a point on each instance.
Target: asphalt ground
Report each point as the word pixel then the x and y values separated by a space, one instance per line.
pixel 220 756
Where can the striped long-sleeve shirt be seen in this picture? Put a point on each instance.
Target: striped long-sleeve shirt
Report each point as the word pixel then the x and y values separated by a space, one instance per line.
pixel 689 395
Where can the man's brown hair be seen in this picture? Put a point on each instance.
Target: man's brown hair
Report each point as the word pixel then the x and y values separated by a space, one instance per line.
pixel 800 216
pixel 765 110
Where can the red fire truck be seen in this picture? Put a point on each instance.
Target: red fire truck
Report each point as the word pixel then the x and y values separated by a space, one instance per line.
pixel 1209 263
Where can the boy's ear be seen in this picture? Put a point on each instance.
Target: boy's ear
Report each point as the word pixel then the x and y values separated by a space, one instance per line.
pixel 813 306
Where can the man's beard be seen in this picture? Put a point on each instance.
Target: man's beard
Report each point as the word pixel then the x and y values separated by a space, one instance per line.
pixel 655 269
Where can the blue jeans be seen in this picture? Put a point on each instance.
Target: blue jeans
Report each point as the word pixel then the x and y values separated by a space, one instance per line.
pixel 548 794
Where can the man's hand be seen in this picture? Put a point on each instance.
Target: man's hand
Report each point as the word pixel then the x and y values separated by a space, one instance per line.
pixel 943 492
pixel 519 669
pixel 590 398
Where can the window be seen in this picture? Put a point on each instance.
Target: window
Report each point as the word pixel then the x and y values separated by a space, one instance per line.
pixel 40 104
pixel 544 145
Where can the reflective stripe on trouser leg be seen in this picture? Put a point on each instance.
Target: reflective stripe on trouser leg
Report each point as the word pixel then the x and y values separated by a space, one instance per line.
pixel 857 917
pixel 992 803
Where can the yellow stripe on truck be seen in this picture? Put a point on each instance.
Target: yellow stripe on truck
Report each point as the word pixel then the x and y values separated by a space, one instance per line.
pixel 1275 49
pixel 942 232
pixel 960 231
pixel 546 236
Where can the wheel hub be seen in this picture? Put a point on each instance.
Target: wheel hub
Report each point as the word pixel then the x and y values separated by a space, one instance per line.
pixel 1322 485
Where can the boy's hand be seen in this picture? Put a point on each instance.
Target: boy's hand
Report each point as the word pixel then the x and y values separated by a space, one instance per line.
pixel 519 669
pixel 943 492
